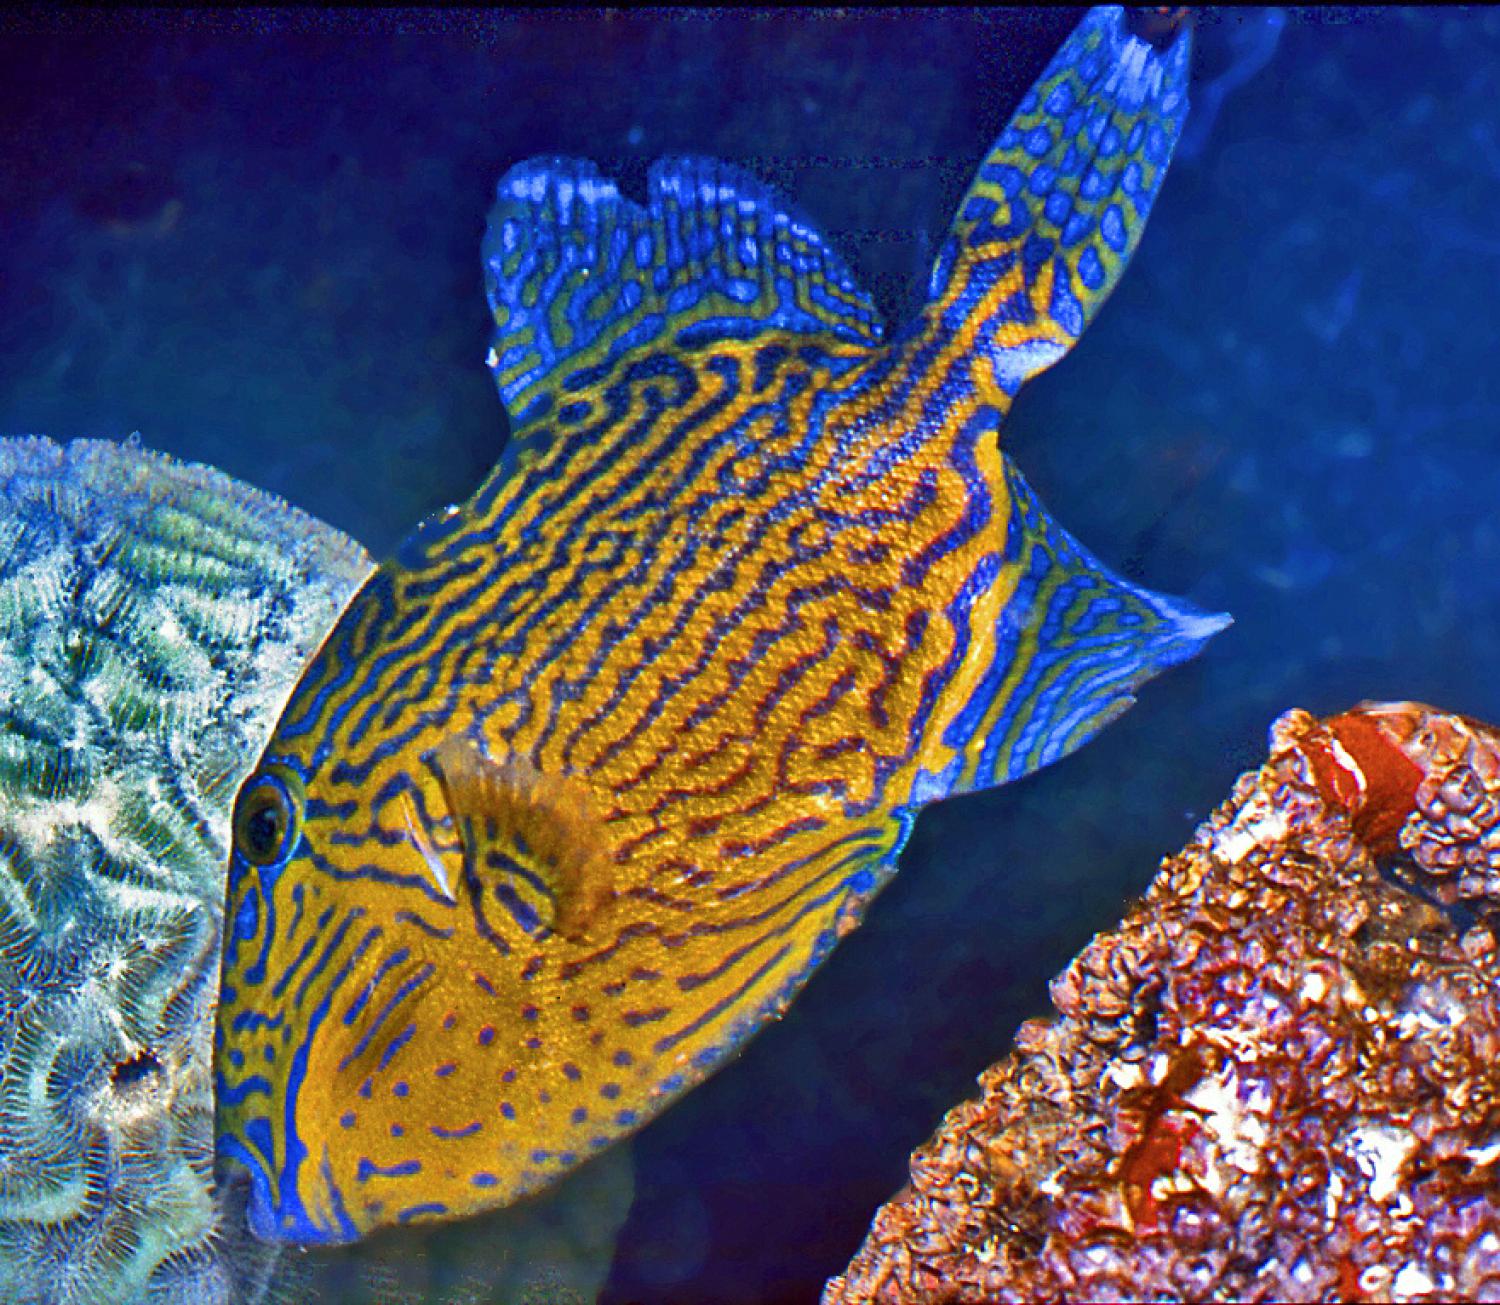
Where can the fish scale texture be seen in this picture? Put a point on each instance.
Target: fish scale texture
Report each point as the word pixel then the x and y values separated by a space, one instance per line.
pixel 153 617
pixel 1274 1081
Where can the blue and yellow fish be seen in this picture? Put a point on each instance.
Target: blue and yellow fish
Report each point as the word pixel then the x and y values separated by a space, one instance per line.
pixel 595 771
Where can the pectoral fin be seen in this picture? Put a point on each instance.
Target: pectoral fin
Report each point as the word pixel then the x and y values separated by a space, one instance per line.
pixel 533 843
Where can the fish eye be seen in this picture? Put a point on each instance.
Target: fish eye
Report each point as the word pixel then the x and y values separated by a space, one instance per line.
pixel 265 819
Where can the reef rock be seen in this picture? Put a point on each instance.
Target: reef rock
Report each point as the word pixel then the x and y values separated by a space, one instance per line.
pixel 153 618
pixel 1277 1079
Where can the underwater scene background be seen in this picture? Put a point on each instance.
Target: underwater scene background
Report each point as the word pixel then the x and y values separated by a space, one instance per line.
pixel 254 238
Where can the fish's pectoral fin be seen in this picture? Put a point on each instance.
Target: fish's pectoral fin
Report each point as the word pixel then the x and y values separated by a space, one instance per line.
pixel 578 276
pixel 1059 203
pixel 533 843
pixel 1073 644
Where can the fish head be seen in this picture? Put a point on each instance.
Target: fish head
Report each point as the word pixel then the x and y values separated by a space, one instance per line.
pixel 269 851
pixel 330 859
pixel 392 906
pixel 333 805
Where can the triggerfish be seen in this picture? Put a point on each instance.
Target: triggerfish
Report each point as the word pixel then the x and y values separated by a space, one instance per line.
pixel 592 774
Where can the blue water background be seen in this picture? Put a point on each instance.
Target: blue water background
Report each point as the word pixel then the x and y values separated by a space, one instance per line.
pixel 254 239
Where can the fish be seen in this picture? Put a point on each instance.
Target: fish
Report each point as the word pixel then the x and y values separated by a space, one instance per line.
pixel 594 772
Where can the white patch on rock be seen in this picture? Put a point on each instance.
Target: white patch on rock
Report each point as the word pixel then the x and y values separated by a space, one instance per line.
pixel 1231 1112
pixel 1380 1152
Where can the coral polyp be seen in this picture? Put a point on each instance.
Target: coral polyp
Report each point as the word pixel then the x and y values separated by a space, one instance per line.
pixel 153 618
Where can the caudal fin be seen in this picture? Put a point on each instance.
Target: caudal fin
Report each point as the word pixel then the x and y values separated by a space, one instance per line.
pixel 1059 203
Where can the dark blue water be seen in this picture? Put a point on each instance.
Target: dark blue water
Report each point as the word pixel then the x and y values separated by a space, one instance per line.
pixel 255 240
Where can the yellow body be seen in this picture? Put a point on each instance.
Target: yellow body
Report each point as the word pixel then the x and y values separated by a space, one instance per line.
pixel 711 828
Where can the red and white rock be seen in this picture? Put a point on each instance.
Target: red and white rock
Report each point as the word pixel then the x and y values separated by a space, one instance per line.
pixel 1277 1079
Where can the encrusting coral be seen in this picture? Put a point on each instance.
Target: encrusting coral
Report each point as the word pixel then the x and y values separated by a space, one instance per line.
pixel 153 618
pixel 1277 1079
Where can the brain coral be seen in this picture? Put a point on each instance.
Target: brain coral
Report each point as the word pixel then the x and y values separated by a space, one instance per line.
pixel 1277 1079
pixel 153 618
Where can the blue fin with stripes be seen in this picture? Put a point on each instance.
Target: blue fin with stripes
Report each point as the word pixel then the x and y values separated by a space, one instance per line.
pixel 578 276
pixel 1059 203
pixel 1074 643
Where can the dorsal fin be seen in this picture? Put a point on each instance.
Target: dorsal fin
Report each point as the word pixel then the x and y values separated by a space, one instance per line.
pixel 577 275
pixel 1059 203
pixel 532 842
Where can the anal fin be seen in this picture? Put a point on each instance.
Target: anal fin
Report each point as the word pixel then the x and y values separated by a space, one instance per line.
pixel 1074 642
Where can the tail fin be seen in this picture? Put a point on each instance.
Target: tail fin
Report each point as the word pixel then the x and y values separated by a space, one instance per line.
pixel 1058 205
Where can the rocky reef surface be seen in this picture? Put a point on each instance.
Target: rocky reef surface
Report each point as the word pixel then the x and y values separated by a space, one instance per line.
pixel 1277 1079
pixel 154 615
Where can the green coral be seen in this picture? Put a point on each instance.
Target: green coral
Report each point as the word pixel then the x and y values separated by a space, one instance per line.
pixel 153 618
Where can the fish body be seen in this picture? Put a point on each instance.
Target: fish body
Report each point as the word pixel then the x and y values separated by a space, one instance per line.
pixel 594 772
